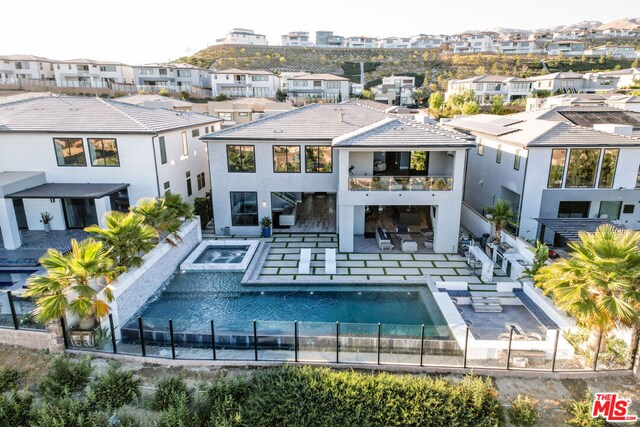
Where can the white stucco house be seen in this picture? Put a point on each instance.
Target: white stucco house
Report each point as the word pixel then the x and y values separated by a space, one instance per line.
pixel 566 48
pixel 176 77
pixel 308 86
pixel 395 90
pixel 485 87
pixel 13 67
pixel 297 38
pixel 568 82
pixel 243 36
pixel 77 158
pixel 559 175
pixel 91 73
pixel 349 168
pixel 244 83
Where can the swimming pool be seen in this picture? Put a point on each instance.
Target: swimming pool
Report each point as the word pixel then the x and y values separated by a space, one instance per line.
pixel 192 300
pixel 222 255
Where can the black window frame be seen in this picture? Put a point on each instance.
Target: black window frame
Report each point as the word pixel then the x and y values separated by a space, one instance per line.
pixel 195 133
pixel 84 154
pixel 253 148
pixel 615 167
pixel 563 170
pixel 254 193
pixel 306 168
pixel 516 160
pixel 163 150
pixel 189 187
pixel 273 154
pixel 499 154
pixel 92 150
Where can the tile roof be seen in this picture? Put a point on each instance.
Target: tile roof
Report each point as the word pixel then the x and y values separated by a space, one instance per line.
pixel 319 76
pixel 238 71
pixel 561 75
pixel 19 57
pixel 66 114
pixel 170 65
pixel 141 99
pixel 22 96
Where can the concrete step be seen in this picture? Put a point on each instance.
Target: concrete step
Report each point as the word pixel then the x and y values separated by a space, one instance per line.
pixel 485 300
pixel 491 294
pixel 487 308
pixel 483 287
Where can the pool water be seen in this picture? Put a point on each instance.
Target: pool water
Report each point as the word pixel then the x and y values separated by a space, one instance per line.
pixel 222 255
pixel 192 300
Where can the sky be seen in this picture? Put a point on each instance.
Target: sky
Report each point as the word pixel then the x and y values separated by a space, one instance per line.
pixel 142 31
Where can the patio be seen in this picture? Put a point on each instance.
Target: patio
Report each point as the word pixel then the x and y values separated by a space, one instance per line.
pixel 35 243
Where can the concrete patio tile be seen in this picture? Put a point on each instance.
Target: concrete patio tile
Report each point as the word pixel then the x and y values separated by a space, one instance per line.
pixel 438 271
pixel 388 279
pixel 295 256
pixel 465 271
pixel 277 279
pixel 268 270
pixel 301 245
pixel 382 263
pixel 278 245
pixel 429 257
pixel 367 271
pixel 272 257
pixel 456 257
pixel 342 256
pixel 316 264
pixel 455 264
pixel 404 271
pixel 436 278
pixel 327 245
pixel 312 278
pixel 354 279
pixel 414 264
pixel 289 270
pixel 363 256
pixel 468 279
pixel 342 270
pixel 305 234
pixel 342 263
pixel 396 257
pixel 280 264
pixel 503 279
pixel 318 239
pixel 284 250
pixel 289 239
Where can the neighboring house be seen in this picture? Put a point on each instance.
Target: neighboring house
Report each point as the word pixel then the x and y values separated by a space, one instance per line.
pixel 79 157
pixel 297 38
pixel 242 83
pixel 395 90
pixel 472 43
pixel 14 67
pixel 174 76
pixel 563 82
pixel 566 100
pixel 243 110
pixel 328 168
pixel 625 78
pixel 157 101
pixel 612 51
pixel 90 73
pixel 424 41
pixel 243 36
pixel 553 173
pixel 624 102
pixel 360 42
pixel 310 87
pixel 395 43
pixel 566 48
pixel 517 47
pixel 328 39
pixel 485 87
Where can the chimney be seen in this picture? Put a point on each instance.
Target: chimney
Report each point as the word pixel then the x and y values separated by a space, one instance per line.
pixel 341 117
pixel 624 130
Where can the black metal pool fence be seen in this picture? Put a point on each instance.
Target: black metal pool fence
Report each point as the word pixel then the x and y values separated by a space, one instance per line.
pixel 410 345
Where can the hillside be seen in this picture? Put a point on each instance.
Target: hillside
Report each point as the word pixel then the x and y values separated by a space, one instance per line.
pixel 431 65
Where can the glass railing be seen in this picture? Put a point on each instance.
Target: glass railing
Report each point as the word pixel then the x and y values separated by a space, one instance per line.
pixel 400 183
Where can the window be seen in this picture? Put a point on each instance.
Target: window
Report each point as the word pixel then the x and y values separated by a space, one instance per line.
pixel 69 151
pixel 201 181
pixel 243 114
pixel 480 149
pixel 163 150
pixel 286 158
pixel 582 169
pixel 206 129
pixel 145 70
pixel 184 73
pixel 317 83
pixel 259 78
pixel 162 71
pixel 300 83
pixel 22 65
pixel 318 159
pixel 516 161
pixel 244 208
pixel 499 154
pixel 608 168
pixel 103 152
pixel 108 68
pixel 167 187
pixel 195 132
pixel 226 116
pixel 185 146
pixel 333 85
pixel 628 209
pixel 556 169
pixel 610 209
pixel 189 189
pixel 241 158
pixel 574 209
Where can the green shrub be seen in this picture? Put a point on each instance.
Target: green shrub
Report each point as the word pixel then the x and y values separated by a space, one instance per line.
pixel 308 396
pixel 172 391
pixel 202 208
pixel 580 411
pixel 523 411
pixel 180 415
pixel 14 410
pixel 65 376
pixel 114 389
pixel 68 412
pixel 9 379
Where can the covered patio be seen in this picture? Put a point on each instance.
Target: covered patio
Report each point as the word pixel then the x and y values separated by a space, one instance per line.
pixel 560 231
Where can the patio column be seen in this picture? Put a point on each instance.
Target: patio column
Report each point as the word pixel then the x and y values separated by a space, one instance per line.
pixel 103 205
pixel 9 225
pixel 345 227
pixel 446 229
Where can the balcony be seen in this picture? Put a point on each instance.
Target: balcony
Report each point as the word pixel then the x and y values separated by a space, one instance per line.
pixel 400 183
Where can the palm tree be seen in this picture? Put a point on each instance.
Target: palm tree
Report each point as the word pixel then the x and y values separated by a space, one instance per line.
pixel 501 215
pixel 166 215
pixel 127 236
pixel 599 282
pixel 73 283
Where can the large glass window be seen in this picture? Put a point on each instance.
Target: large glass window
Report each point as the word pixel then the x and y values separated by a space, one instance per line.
pixel 583 167
pixel 70 152
pixel 608 168
pixel 573 209
pixel 610 209
pixel 103 152
pixel 185 145
pixel 241 158
pixel 556 169
pixel 318 159
pixel 163 150
pixel 419 161
pixel 244 208
pixel 499 154
pixel 516 160
pixel 286 158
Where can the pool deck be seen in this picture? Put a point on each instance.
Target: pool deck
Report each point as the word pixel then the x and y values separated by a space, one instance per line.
pixel 280 264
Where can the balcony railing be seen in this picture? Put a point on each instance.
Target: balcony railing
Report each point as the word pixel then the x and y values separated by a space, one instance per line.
pixel 400 183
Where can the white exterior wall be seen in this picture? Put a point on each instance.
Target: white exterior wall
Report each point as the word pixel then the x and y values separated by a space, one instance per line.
pixel 253 88
pixel 36 70
pixel 263 181
pixel 198 77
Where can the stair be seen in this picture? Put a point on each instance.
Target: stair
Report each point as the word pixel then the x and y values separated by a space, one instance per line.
pixel 286 197
pixel 208 232
pixel 483 287
pixel 486 307
pixel 485 298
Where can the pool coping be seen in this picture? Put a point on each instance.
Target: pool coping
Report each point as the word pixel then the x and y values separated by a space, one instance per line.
pixel 189 264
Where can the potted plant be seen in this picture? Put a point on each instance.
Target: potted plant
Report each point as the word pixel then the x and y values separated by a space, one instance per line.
pixel 45 219
pixel 265 223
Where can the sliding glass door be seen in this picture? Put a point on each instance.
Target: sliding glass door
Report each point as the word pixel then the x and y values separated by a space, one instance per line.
pixel 79 213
